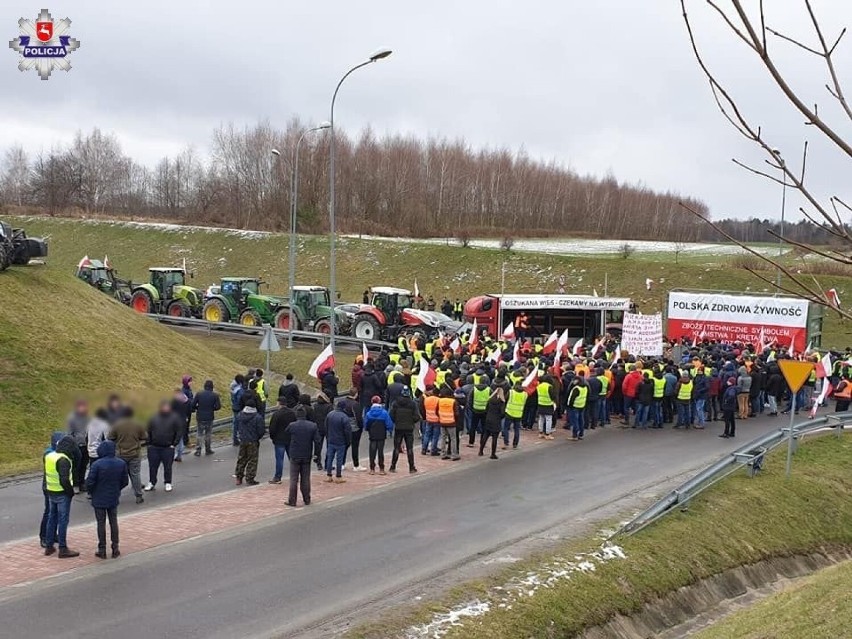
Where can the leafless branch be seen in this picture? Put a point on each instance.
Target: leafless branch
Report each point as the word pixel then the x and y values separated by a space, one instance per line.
pixel 794 41
pixel 756 172
pixel 826 55
pixel 839 258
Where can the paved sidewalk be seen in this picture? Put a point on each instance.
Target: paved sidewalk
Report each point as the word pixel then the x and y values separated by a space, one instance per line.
pixel 24 561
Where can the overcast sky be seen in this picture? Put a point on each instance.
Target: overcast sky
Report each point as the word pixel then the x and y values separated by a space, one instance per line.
pixel 599 86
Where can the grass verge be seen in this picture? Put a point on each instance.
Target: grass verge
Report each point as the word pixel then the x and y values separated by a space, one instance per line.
pixel 739 521
pixel 814 608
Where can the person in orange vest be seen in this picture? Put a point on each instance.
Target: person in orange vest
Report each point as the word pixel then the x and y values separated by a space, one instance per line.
pixel 431 424
pixel 522 325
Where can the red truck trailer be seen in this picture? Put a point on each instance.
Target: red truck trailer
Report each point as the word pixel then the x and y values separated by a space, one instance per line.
pixel 583 315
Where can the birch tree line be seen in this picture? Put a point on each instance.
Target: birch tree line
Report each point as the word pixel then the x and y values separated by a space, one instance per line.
pixel 392 185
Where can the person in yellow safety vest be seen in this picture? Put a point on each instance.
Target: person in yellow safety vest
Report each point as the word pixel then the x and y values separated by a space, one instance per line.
pixel 577 396
pixel 516 400
pixel 547 398
pixel 659 394
pixel 402 344
pixel 683 395
pixel 59 488
pixel 393 358
pixel 603 406
pixel 478 401
pixel 458 309
pixel 440 376
pixel 430 348
pixel 261 392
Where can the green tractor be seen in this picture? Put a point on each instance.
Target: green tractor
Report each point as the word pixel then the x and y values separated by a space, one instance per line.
pixel 166 294
pixel 312 312
pixel 103 277
pixel 238 299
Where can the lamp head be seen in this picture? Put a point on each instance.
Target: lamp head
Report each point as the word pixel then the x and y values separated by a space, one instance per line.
pixel 323 125
pixel 276 152
pixel 380 54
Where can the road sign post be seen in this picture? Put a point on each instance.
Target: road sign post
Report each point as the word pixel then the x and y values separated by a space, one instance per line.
pixel 269 343
pixel 795 373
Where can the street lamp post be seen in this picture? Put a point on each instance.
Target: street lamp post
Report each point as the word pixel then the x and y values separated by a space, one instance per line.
pixel 777 154
pixel 294 206
pixel 378 55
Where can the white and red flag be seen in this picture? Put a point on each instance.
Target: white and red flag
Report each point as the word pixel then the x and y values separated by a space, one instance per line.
pixel 550 343
pixel 323 362
pixel 509 331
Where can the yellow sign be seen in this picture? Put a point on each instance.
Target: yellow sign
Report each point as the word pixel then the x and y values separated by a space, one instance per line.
pixel 795 372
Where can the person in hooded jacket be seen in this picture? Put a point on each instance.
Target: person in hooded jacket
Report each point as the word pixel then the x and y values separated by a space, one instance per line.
pixel 405 415
pixel 42 531
pixel 379 425
pixel 78 427
pixel 205 405
pixel 251 431
pixel 289 390
pixel 107 478
pixel 303 434
pixel 330 383
pixel 129 436
pixel 774 388
pixel 278 424
pixel 372 384
pixel 729 407
pixel 338 426
pixel 494 414
pixel 395 387
pixel 322 408
pixel 59 485
pixel 97 432
pixel 182 407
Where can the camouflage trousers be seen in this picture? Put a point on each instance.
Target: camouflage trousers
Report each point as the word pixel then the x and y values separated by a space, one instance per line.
pixel 247 461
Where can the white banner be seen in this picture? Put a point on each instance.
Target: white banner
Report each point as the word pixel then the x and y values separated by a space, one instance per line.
pixel 642 334
pixel 581 302
pixel 709 307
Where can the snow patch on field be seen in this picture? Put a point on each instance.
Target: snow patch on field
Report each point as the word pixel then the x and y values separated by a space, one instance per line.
pixel 548 575
pixel 183 228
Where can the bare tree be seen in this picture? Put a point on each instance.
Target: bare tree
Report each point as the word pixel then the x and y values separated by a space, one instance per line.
pixel 756 32
pixel 15 176
pixel 625 250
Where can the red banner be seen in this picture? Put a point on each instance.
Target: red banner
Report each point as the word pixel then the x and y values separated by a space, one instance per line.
pixel 737 332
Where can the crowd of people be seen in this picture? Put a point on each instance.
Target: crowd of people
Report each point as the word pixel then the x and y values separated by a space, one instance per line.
pixel 448 393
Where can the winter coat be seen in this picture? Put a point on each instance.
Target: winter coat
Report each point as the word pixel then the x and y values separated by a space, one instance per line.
pixel 303 436
pixel 405 414
pixel 744 383
pixel 644 392
pixel 775 385
pixel 356 376
pixel 97 432
pixel 330 382
pixel 78 426
pixel 494 413
pixel 394 390
pixel 377 422
pixel 278 424
pixel 250 426
pixel 205 405
pixel 671 383
pixel 107 476
pixel 338 427
pixel 729 398
pixel 321 410
pixel 631 383
pixel 701 387
pixel 595 387
pixel 128 437
pixel 290 392
pixel 757 379
pixel 164 430
pixel 715 386
pixel 371 385
pixel 237 392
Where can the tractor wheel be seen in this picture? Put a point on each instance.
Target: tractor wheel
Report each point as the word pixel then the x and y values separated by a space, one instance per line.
pixel 282 320
pixel 5 254
pixel 141 302
pixel 323 326
pixel 366 327
pixel 250 318
pixel 179 308
pixel 215 311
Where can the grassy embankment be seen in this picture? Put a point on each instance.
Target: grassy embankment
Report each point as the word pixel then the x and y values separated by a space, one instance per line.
pixel 739 521
pixel 60 339
pixel 814 608
pixel 440 270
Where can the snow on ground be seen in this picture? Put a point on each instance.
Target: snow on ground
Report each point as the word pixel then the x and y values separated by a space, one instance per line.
pixel 518 588
pixel 182 228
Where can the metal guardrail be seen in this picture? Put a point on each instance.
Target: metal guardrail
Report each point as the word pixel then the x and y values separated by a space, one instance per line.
pixel 749 456
pixel 321 338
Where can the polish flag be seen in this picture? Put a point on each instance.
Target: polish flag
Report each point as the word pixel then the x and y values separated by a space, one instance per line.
pixel 809 349
pixel 455 345
pixel 550 344
pixel 84 262
pixel 364 352
pixel 107 265
pixel 494 356
pixel 562 343
pixel 532 377
pixel 323 362
pixel 509 332
pixel 184 266
pixel 595 292
pixel 616 356
pixel 426 377
pixel 515 352
pixel 826 389
pixel 474 336
pixel 823 367
pixel 578 346
pixel 597 349
pixel 833 297
pixel 761 339
pixel 416 289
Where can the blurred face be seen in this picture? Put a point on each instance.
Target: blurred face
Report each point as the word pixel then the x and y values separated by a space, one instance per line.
pixel 82 408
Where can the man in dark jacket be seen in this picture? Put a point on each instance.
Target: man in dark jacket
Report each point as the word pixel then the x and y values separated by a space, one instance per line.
pixel 322 408
pixel 78 426
pixel 107 477
pixel 729 408
pixel 329 385
pixel 59 486
pixel 205 405
pixel 289 390
pixel 251 431
pixel 303 436
pixel 378 425
pixel 338 426
pixel 405 415
pixel 164 432
pixel 278 424
pixel 372 384
pixel 395 387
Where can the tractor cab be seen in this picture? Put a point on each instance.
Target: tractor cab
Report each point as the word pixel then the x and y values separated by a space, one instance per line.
pixel 309 298
pixel 391 302
pixel 164 280
pixel 167 293
pixel 238 289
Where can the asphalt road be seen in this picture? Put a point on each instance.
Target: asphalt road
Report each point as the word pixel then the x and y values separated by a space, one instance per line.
pixel 282 575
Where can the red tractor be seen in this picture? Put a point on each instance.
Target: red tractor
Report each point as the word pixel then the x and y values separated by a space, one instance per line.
pixel 391 313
